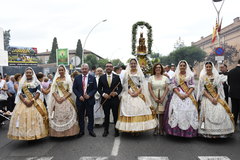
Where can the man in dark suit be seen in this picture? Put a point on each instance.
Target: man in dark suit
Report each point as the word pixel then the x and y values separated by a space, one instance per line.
pixel 106 85
pixel 85 87
pixel 224 71
pixel 233 81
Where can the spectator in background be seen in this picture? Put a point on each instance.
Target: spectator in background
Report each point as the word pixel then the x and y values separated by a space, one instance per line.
pixel 6 77
pixel 3 94
pixel 117 70
pixel 50 77
pixel 74 74
pixel 170 72
pixel 3 99
pixel 224 71
pixel 123 70
pixel 11 94
pixel 45 87
pixel 17 78
pixel 93 71
pixel 173 67
pixel 166 68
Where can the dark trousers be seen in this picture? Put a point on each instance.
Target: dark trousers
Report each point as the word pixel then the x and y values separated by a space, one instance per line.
pixel 10 103
pixel 110 104
pixel 235 108
pixel 2 107
pixel 88 109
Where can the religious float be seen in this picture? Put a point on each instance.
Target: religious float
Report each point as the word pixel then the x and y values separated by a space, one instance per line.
pixel 140 50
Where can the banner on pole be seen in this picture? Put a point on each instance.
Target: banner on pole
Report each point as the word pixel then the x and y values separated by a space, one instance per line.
pixel 62 56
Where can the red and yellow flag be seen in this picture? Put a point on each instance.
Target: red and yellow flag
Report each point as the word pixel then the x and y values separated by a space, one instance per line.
pixel 216 30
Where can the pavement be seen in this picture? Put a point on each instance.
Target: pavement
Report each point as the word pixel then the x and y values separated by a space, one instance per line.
pixel 125 147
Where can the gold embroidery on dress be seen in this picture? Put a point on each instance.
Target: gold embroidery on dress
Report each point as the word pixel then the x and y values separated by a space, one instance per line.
pixel 210 88
pixel 40 110
pixel 185 88
pixel 65 92
pixel 135 88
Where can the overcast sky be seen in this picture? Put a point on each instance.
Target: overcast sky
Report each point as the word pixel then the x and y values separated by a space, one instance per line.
pixel 34 23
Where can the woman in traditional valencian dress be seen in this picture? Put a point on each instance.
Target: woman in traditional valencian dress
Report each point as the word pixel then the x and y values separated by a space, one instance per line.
pixel 61 107
pixel 135 113
pixel 158 88
pixel 29 119
pixel 181 117
pixel 216 119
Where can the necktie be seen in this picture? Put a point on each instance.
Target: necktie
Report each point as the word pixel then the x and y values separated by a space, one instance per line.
pixel 83 83
pixel 109 80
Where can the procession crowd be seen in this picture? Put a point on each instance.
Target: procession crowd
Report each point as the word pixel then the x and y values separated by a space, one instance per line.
pixel 168 102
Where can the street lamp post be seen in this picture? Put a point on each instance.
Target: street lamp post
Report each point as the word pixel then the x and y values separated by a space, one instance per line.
pixel 218 34
pixel 84 44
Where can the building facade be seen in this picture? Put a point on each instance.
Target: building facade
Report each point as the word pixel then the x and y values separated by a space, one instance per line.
pixel 229 35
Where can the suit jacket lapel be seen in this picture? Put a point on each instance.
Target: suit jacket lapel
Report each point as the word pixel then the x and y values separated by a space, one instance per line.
pixel 89 79
pixel 105 80
pixel 113 77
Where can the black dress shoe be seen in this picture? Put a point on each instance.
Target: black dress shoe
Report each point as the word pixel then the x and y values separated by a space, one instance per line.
pixel 91 133
pixel 80 134
pixel 105 133
pixel 116 134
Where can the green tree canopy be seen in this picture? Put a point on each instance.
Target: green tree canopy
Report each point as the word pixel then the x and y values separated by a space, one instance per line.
pixel 191 54
pixel 117 62
pixel 91 60
pixel 102 63
pixel 52 58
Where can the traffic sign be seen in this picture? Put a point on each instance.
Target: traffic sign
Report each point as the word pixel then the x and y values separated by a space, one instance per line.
pixel 219 51
pixel 75 61
pixel 219 58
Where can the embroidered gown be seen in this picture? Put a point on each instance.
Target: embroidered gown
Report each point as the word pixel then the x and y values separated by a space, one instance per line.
pixel 217 122
pixel 26 122
pixel 181 116
pixel 62 117
pixel 135 113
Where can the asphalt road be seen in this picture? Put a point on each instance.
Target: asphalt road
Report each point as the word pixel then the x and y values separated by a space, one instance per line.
pixel 126 147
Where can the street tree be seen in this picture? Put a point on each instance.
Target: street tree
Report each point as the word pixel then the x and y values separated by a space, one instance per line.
pixel 79 49
pixel 91 60
pixel 191 54
pixel 52 58
pixel 117 62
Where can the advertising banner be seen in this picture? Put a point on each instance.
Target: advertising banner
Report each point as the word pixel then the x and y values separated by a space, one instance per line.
pixel 22 56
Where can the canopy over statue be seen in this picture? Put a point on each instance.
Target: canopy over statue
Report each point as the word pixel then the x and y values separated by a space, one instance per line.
pixel 142 51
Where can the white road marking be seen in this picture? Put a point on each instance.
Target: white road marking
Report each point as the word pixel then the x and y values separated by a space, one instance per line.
pixel 116 145
pixel 39 158
pixel 93 158
pixel 213 158
pixel 152 158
